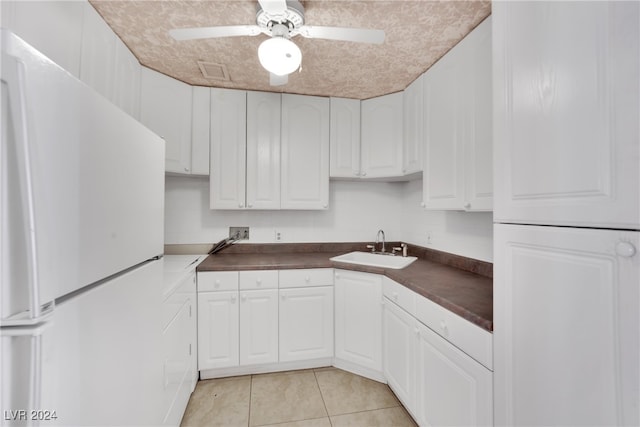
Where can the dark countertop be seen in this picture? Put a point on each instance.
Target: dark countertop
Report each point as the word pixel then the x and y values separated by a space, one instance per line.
pixel 466 293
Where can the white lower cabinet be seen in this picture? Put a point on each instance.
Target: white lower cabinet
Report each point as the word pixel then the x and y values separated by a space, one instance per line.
pixel 258 327
pixel 358 306
pixel 452 389
pixel 218 329
pixel 399 337
pixel 436 381
pixel 306 323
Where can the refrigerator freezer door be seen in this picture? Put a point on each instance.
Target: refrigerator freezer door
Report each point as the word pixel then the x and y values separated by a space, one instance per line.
pixel 566 326
pixel 82 183
pixel 97 361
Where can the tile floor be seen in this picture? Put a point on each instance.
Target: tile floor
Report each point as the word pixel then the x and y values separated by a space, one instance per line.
pixel 322 397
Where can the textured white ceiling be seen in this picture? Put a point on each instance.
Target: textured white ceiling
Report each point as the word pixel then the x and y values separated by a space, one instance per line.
pixel 418 33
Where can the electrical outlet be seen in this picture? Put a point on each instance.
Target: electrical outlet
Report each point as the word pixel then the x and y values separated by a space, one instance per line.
pixel 277 236
pixel 240 233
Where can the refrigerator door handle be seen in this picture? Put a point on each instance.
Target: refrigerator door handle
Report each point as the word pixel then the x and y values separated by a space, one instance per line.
pixel 14 74
pixel 34 335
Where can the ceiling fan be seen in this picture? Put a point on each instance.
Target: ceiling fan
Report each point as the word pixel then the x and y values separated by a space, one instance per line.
pixel 281 20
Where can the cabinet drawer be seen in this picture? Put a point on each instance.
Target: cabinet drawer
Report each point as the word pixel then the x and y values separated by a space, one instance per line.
pixel 259 279
pixel 471 339
pixel 181 295
pixel 306 277
pixel 401 295
pixel 217 281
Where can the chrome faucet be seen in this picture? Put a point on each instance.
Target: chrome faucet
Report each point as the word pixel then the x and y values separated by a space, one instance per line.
pixel 378 240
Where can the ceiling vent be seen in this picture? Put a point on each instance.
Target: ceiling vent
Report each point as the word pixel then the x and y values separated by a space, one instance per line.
pixel 213 71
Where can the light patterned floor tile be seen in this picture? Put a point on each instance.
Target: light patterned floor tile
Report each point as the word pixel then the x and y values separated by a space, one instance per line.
pixel 388 417
pixel 316 422
pixel 344 392
pixel 219 402
pixel 285 397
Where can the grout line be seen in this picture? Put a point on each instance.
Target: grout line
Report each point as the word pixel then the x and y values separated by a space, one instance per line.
pixel 250 399
pixel 322 397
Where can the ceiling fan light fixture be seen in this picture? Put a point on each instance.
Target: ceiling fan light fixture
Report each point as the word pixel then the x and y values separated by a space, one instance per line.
pixel 279 56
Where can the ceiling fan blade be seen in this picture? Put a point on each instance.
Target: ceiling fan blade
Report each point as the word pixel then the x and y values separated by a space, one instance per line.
pixel 273 7
pixel 214 32
pixel 276 80
pixel 360 35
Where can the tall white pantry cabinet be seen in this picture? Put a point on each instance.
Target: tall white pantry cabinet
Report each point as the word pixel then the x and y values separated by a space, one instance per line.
pixel 567 213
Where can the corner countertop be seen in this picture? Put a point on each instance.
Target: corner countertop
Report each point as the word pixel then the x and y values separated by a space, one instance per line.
pixel 461 285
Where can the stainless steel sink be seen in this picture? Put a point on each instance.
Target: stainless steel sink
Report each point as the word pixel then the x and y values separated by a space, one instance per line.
pixel 375 260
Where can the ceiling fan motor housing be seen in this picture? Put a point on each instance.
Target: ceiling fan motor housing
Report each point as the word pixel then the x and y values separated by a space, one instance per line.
pixel 292 17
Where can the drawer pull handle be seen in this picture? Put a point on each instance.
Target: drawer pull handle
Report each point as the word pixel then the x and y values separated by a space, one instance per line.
pixel 395 296
pixel 259 282
pixel 233 299
pixel 283 297
pixel 307 279
pixel 416 331
pixel 244 297
pixel 217 283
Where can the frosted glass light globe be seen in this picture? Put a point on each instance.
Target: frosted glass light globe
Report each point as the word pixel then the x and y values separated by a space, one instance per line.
pixel 279 56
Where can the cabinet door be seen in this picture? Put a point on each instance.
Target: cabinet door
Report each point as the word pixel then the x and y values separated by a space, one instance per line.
pixel 227 178
pixel 200 127
pixel 258 327
pixel 304 152
pixel 165 108
pixel 567 326
pixel 218 330
pixel 479 143
pixel 98 52
pixel 126 80
pixel 381 143
pixel 52 27
pixel 567 138
pixel 452 389
pixel 445 115
pixel 263 150
pixel 345 138
pixel 306 323
pixel 399 338
pixel 358 308
pixel 413 115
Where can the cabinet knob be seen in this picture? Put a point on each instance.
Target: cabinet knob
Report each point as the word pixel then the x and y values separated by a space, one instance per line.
pixel 325 206
pixel 404 170
pixel 241 205
pixel 307 279
pixel 283 297
pixel 363 174
pixel 233 299
pixel 625 249
pixel 445 329
pixel 467 205
pixel 395 296
pixel 186 169
pixel 337 276
pixel 244 297
pixel 217 284
pixel 423 204
pixel 258 282
pixel 249 205
pixel 416 331
pixel 357 173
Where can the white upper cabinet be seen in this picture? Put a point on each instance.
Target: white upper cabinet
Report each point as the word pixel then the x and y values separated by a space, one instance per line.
pixel 269 151
pixel 98 52
pixel 305 152
pixel 228 133
pixel 126 80
pixel 345 138
pixel 52 27
pixel 200 141
pixel 165 107
pixel 457 156
pixel 413 116
pixel 566 113
pixel 263 150
pixel 381 136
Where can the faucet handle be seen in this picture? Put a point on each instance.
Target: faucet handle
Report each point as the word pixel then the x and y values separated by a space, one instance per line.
pixel 372 247
pixel 395 249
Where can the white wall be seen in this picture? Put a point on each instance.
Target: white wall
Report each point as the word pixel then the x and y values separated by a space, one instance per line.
pixel 357 210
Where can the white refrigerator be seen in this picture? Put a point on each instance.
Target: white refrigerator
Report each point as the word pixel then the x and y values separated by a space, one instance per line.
pixel 82 212
pixel 567 213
